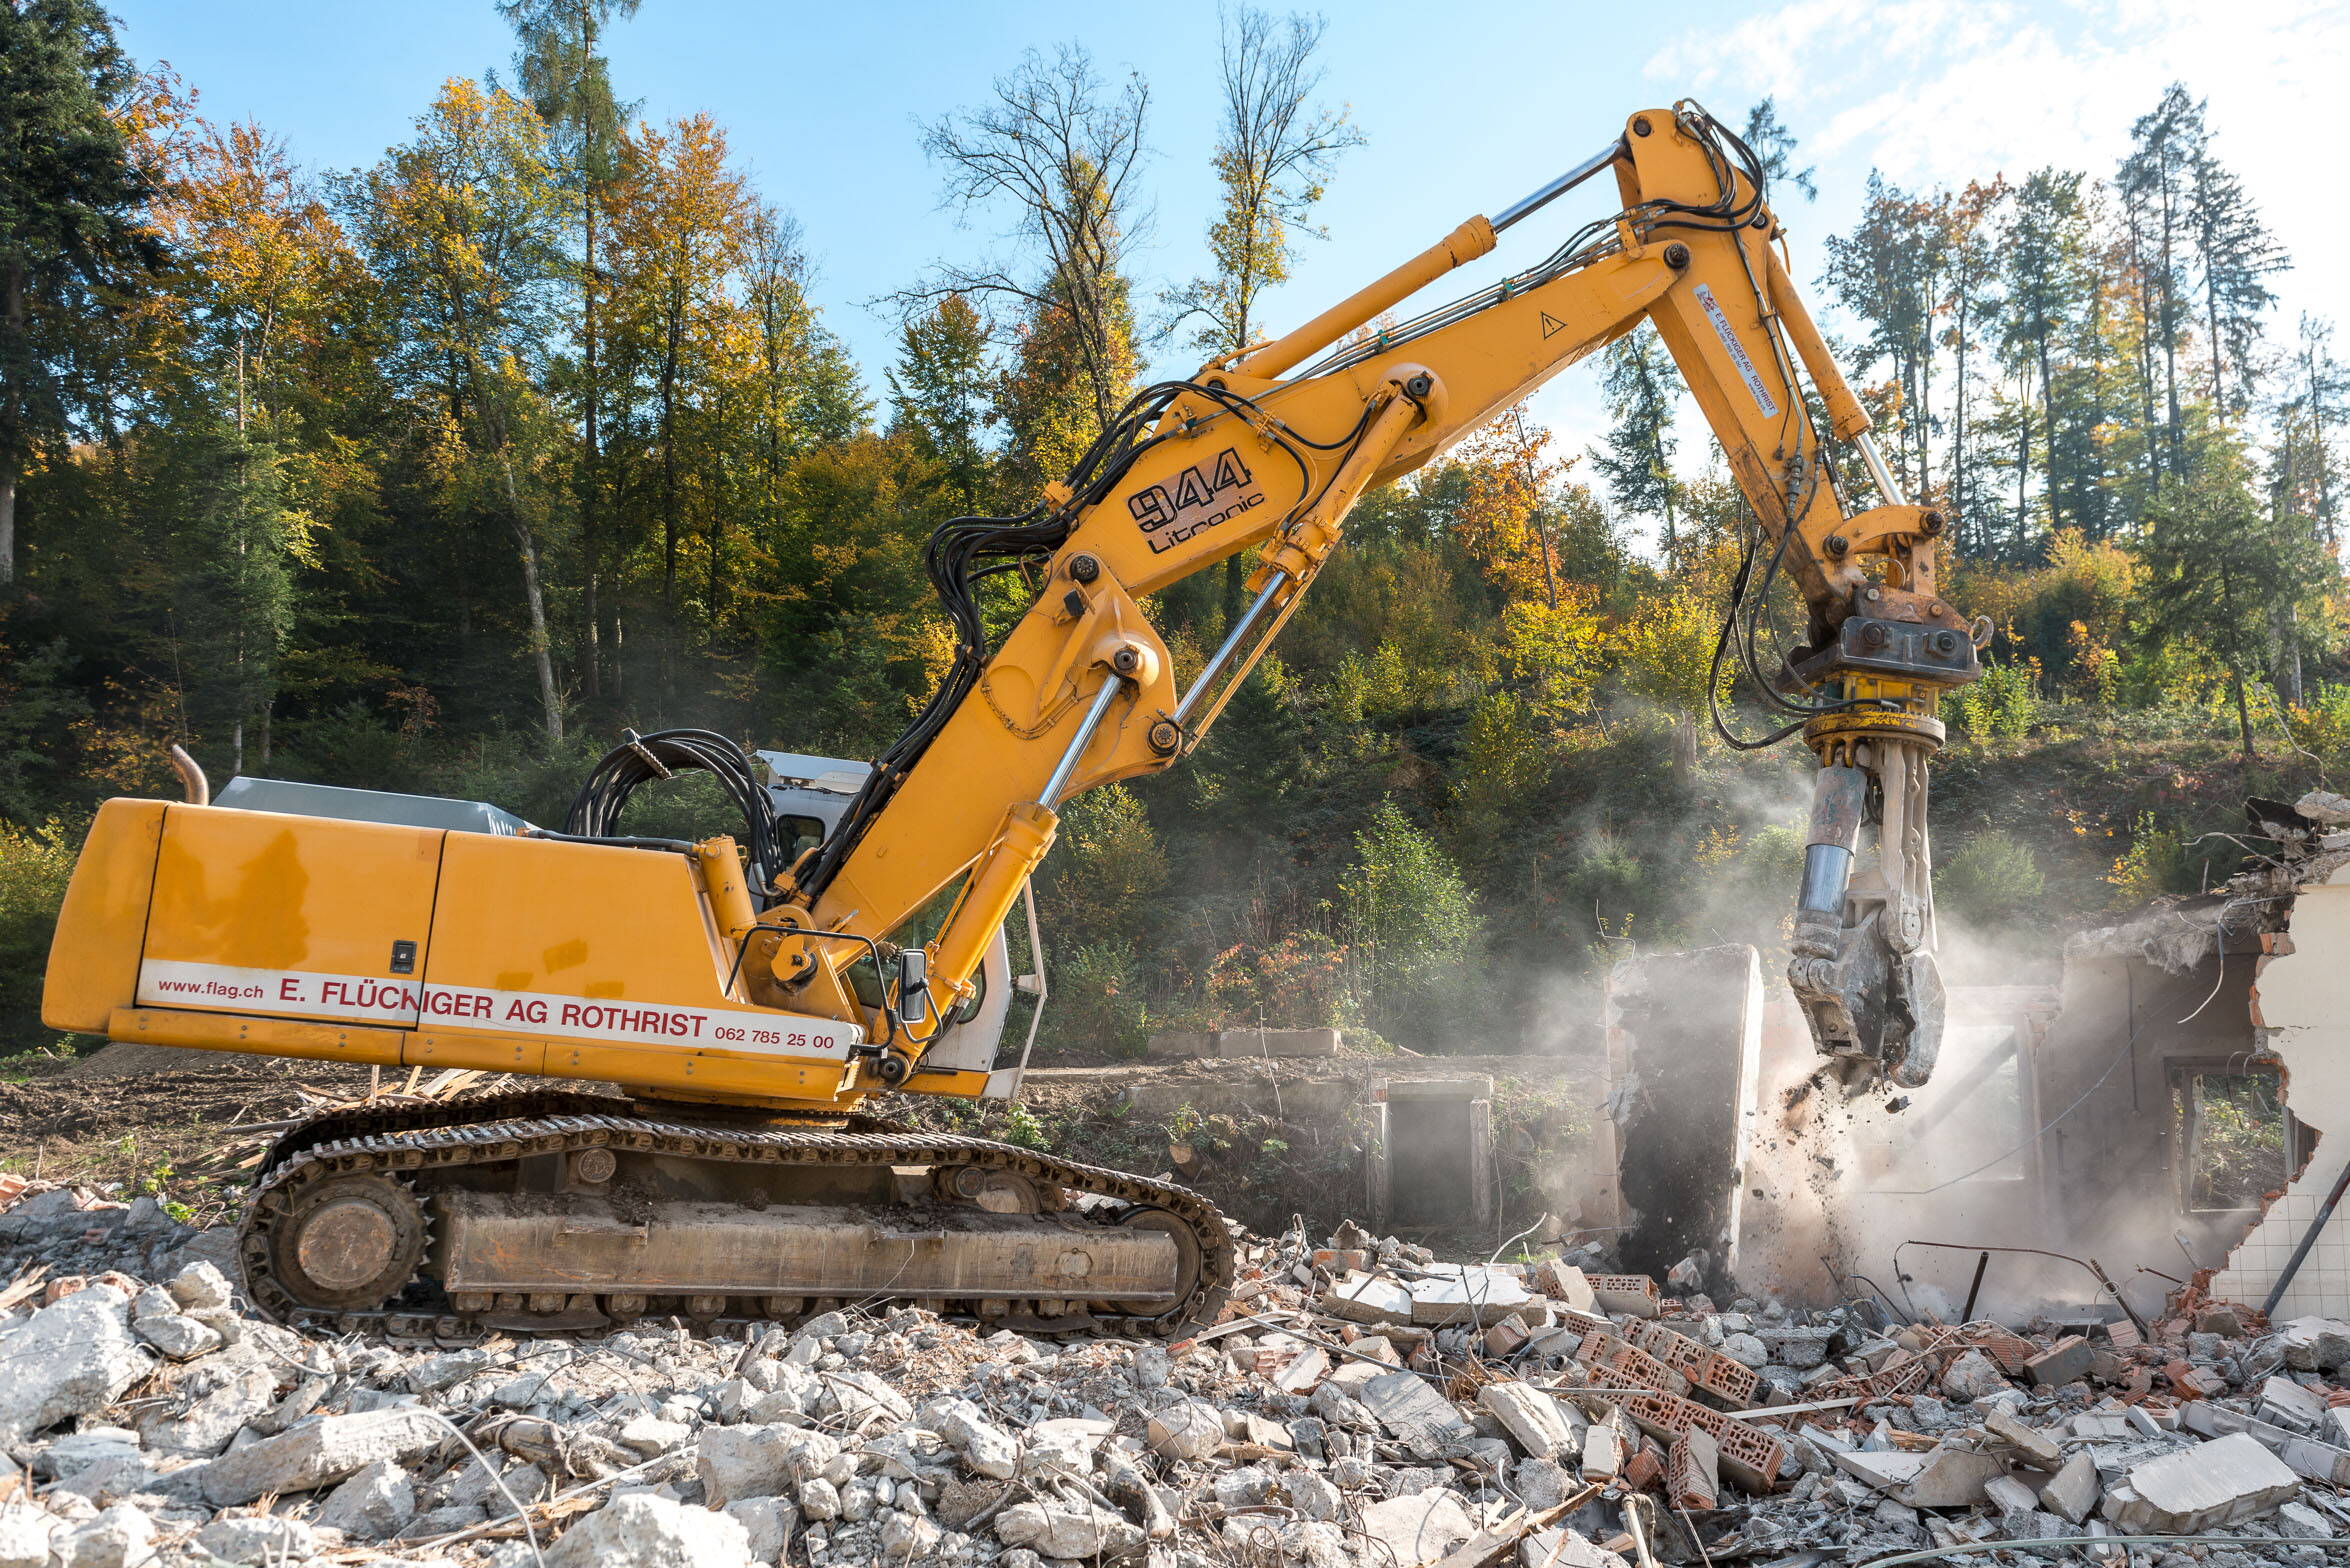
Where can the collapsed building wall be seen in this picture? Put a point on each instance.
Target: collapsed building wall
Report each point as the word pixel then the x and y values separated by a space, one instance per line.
pixel 2128 1116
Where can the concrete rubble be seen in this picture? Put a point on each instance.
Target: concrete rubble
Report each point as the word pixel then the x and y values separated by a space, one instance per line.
pixel 1361 1403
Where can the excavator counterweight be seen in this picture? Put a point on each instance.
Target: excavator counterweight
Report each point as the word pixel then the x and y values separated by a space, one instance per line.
pixel 745 993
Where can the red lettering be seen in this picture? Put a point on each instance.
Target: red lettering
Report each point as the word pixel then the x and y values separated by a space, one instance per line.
pixel 572 1016
pixel 289 990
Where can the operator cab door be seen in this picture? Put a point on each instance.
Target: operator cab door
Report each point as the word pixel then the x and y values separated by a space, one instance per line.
pixel 290 916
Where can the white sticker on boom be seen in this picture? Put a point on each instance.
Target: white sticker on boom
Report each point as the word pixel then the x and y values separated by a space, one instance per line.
pixel 1746 371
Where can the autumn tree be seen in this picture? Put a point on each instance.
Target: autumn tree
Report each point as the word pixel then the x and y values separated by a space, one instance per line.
pixel 1508 513
pixel 1058 153
pixel 461 225
pixel 1273 152
pixel 682 229
pixel 1888 271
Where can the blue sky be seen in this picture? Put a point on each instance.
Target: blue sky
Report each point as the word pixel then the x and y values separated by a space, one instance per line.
pixel 1461 113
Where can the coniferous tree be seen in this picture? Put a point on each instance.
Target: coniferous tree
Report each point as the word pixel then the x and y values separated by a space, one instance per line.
pixel 562 70
pixel 73 244
pixel 2155 184
pixel 2235 255
pixel 939 398
pixel 1642 388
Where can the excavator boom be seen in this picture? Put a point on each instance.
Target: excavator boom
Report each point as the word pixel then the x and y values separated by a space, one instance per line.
pixel 747 997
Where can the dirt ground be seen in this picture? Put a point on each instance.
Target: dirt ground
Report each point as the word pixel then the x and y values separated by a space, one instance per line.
pixel 181 1123
pixel 152 1118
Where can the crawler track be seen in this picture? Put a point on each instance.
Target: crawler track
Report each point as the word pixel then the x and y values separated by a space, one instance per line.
pixel 421 1152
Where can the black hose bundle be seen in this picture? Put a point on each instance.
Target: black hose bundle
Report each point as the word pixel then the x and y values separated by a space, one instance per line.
pixel 595 813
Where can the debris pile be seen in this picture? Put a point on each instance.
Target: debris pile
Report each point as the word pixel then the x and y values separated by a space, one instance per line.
pixel 1361 1402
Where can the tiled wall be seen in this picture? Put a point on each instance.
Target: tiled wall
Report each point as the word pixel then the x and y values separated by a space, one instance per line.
pixel 2322 1286
pixel 2303 1000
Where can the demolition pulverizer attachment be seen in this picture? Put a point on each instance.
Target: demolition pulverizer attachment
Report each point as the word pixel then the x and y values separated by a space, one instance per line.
pixel 1862 964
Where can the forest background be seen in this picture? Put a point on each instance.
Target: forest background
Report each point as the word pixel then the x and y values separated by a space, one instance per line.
pixel 432 475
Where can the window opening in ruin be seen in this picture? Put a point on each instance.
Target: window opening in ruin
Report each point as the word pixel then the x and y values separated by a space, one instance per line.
pixel 1979 1099
pixel 2233 1137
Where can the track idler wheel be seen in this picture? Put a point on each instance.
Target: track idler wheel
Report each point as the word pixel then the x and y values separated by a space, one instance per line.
pixel 350 1243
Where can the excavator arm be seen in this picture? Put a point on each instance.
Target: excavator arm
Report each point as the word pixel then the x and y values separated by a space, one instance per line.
pixel 1253 454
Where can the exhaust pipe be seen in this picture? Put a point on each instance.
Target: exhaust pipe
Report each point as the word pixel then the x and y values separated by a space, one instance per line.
pixel 194 787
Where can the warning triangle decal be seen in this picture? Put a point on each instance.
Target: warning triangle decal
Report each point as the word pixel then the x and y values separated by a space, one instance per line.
pixel 1551 323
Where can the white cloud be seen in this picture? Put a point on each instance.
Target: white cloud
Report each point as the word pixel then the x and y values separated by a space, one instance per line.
pixel 1935 93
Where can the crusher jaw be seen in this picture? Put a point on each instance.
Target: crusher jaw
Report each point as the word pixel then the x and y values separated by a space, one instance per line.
pixel 1862 964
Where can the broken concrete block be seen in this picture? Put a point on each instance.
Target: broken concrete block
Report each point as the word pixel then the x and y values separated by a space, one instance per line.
pixel 1420 1528
pixel 1179 1047
pixel 1564 1282
pixel 1532 1417
pixel 2286 1403
pixel 24 1535
pixel 1367 1298
pixel 2064 1362
pixel 66 1360
pixel 372 1505
pixel 1476 1296
pixel 1603 1453
pixel 742 1461
pixel 768 1526
pixel 1188 1429
pixel 1277 1042
pixel 2224 1481
pixel 2010 1496
pixel 257 1538
pixel 1422 1419
pixel 2323 806
pixel 1561 1547
pixel 2304 1456
pixel 2300 1522
pixel 2035 1447
pixel 1072 1530
pixel 2073 1491
pixel 646 1530
pixel 119 1537
pixel 316 1453
pixel 1972 1376
pixel 2315 1344
pixel 1939 1478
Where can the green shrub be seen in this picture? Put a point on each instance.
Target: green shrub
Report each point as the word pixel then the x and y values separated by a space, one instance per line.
pixel 35 864
pixel 1993 878
pixel 2003 705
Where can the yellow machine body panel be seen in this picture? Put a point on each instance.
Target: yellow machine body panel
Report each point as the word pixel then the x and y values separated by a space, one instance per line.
pixel 217 929
pixel 297 917
pixel 94 962
pixel 609 962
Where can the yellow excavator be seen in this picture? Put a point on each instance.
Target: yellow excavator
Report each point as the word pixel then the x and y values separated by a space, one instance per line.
pixel 746 994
